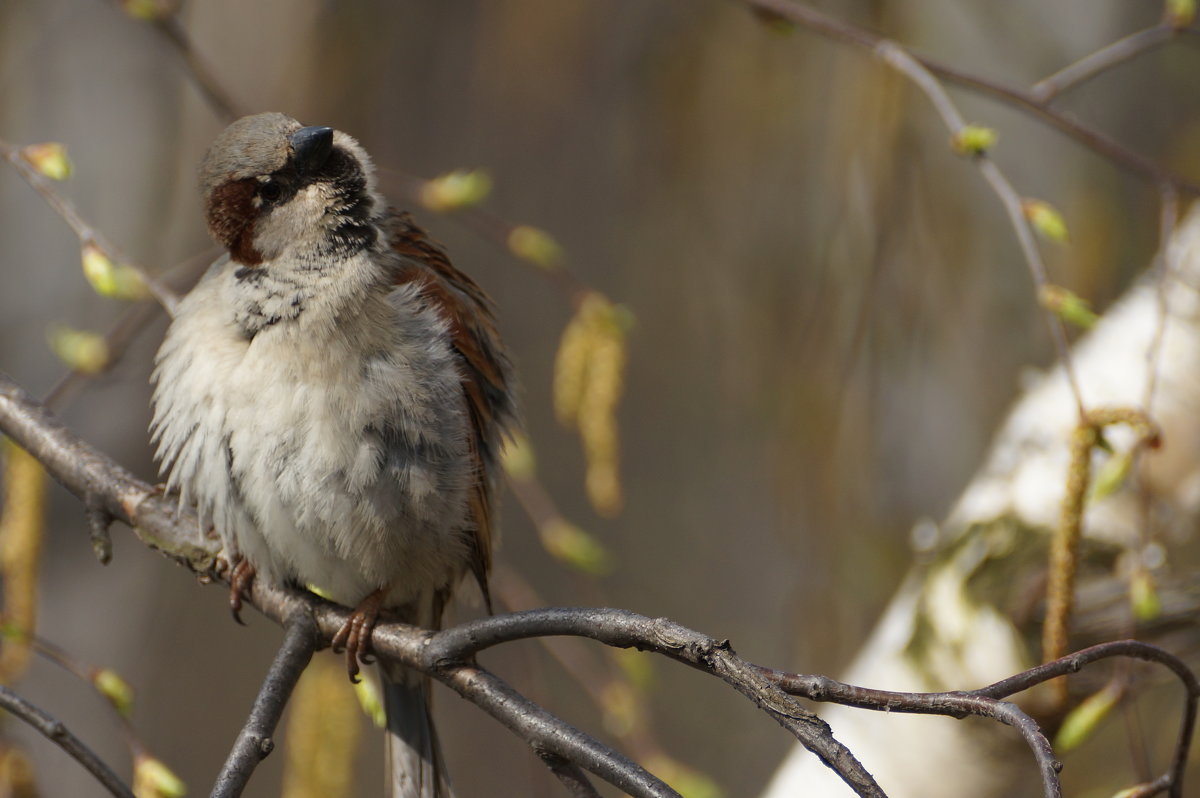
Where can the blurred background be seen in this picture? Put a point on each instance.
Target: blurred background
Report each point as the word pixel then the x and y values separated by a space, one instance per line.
pixel 830 311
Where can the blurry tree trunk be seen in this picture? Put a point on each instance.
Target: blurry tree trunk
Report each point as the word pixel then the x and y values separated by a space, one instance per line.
pixel 971 614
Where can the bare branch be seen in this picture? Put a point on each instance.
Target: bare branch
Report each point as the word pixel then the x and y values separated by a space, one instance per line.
pixel 832 28
pixel 87 473
pixel 483 223
pixel 195 66
pixel 1133 649
pixel 628 630
pixel 109 491
pixel 61 736
pixel 86 233
pixel 543 731
pixel 447 655
pixel 899 59
pixel 1168 218
pixel 158 523
pixel 255 742
pixel 1105 58
pixel 117 340
pixel 952 704
pixel 198 68
pixel 987 701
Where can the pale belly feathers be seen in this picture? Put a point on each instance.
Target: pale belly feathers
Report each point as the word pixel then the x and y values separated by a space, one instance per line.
pixel 318 463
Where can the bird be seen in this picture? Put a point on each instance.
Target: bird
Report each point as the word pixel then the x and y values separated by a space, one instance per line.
pixel 332 397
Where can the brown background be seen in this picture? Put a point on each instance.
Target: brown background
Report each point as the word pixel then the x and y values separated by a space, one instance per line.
pixel 831 310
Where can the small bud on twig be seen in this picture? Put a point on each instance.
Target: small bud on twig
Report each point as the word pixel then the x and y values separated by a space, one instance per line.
pixel 116 281
pixel 1067 305
pixel 973 140
pixel 49 158
pixel 1046 220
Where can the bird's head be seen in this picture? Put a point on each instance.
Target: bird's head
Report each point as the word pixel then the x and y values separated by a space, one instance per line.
pixel 273 187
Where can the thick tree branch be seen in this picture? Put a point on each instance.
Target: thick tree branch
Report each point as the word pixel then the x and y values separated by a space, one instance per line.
pixel 448 656
pixel 101 483
pixel 625 629
pixel 160 524
pixel 255 742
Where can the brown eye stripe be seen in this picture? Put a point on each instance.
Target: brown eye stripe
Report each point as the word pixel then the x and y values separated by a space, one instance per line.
pixel 231 215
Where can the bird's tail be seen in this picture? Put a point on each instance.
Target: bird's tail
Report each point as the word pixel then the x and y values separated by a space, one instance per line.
pixel 414 759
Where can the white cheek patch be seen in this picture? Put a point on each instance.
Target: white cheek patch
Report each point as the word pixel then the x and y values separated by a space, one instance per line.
pixel 297 224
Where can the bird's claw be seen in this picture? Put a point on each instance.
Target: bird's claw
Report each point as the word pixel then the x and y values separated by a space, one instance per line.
pixel 355 635
pixel 241 578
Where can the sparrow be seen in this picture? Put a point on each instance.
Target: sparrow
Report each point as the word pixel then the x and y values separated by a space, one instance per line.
pixel 332 397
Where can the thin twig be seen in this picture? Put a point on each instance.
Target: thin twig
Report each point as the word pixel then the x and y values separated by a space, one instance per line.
pixel 195 66
pixel 1101 60
pixel 1168 218
pixel 447 655
pixel 159 523
pixel 591 671
pixel 60 735
pixel 1033 258
pixel 89 674
pixel 1149 789
pixel 987 701
pixel 629 630
pixel 198 68
pixel 1134 649
pixel 833 28
pixel 486 225
pixel 61 205
pixel 136 318
pixel 899 59
pixel 491 227
pixel 952 704
pixel 255 742
pixel 546 733
pixel 483 223
pixel 86 233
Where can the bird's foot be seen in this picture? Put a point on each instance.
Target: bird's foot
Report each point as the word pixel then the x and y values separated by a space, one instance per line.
pixel 241 578
pixel 355 635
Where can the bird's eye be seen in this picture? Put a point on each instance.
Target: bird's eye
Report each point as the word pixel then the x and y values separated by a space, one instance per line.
pixel 270 191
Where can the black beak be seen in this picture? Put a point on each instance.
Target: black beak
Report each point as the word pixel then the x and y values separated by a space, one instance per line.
pixel 310 148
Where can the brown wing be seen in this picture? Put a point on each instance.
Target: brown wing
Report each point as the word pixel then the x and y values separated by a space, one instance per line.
pixel 486 370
